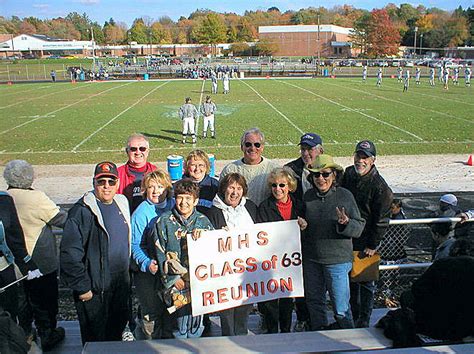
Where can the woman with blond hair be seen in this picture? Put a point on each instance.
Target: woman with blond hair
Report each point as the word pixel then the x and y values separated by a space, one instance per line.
pixel 197 167
pixel 281 205
pixel 158 198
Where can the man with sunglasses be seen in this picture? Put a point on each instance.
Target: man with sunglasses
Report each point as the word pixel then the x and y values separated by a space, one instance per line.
pixel 132 173
pixel 311 146
pixel 253 166
pixel 374 198
pixel 95 252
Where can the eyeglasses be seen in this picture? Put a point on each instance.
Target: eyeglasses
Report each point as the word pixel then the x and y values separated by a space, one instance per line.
pixel 134 148
pixel 281 185
pixel 103 181
pixel 319 174
pixel 249 144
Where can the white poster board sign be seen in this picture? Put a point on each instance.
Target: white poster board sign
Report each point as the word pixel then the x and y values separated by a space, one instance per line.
pixel 245 265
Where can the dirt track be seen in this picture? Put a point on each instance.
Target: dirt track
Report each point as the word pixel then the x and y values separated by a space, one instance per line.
pixel 405 174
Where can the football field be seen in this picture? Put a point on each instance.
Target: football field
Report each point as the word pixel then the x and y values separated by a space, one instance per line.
pixel 64 123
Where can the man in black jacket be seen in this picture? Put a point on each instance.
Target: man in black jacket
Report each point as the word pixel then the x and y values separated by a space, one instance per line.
pixel 373 197
pixel 95 253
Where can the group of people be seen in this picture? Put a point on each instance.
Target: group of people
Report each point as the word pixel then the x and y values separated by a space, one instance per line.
pixel 443 76
pixel 136 225
pixel 188 113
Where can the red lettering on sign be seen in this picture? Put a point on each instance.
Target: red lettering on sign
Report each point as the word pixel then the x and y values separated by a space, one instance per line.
pixel 198 275
pixel 262 238
pixel 251 264
pixel 207 298
pixel 244 241
pixel 224 247
pixel 222 296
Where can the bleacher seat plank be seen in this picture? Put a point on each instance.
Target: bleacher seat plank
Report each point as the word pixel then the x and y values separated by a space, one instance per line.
pixel 322 341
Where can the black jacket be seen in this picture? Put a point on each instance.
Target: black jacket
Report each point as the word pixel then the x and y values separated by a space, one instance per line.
pixel 268 210
pixel 84 255
pixel 217 219
pixel 13 247
pixel 297 166
pixel 443 299
pixel 373 197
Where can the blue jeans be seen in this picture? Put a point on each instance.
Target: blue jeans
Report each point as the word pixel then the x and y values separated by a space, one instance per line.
pixel 362 302
pixel 319 278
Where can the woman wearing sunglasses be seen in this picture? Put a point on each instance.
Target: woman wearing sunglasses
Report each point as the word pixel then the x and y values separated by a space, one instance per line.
pixel 158 198
pixel 333 220
pixel 281 205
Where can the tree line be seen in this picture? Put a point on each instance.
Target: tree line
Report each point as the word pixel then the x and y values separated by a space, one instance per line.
pixel 377 33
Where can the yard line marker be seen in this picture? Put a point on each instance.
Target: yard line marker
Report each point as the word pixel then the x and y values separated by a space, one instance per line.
pixel 276 110
pixel 199 108
pixel 35 98
pixel 354 110
pixel 74 149
pixel 48 115
pixel 178 147
pixel 404 103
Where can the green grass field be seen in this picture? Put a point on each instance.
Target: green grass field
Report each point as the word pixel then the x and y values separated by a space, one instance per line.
pixel 66 123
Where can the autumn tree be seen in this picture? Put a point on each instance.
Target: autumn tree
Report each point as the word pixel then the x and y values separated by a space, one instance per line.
pixel 382 37
pixel 240 49
pixel 359 33
pixel 266 48
pixel 139 32
pixel 210 30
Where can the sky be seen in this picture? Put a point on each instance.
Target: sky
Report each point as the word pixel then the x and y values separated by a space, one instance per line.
pixel 128 10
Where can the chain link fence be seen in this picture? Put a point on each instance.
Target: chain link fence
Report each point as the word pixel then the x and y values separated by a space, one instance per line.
pixel 406 251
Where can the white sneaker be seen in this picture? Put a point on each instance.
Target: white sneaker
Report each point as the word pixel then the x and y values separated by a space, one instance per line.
pixel 127 336
pixel 300 326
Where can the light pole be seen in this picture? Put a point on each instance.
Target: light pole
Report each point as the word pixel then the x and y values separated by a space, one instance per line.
pixel 414 42
pixel 319 49
pixel 421 42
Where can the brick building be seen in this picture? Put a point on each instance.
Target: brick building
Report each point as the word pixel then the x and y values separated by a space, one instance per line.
pixel 302 40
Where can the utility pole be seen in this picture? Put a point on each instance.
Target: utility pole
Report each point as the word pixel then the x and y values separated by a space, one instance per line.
pixel 414 42
pixel 319 48
pixel 421 42
pixel 93 49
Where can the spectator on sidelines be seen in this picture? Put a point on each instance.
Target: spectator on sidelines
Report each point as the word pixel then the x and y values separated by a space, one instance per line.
pixel 231 208
pixel 12 252
pixel 208 109
pixel 281 205
pixel 158 198
pixel 311 146
pixel 37 214
pixel 443 241
pixel 188 114
pixel 197 168
pixel 333 222
pixel 253 166
pixel 136 167
pixel 53 75
pixel 373 197
pixel 95 254
pixel 170 233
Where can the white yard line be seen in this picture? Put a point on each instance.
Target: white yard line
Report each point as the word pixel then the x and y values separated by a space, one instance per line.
pixel 118 115
pixel 38 97
pixel 180 147
pixel 354 110
pixel 60 109
pixel 404 103
pixel 196 128
pixel 274 108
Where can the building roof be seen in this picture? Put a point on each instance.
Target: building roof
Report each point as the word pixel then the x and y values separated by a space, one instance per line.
pixel 303 28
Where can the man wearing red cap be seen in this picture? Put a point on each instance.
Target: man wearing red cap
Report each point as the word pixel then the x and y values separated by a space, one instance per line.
pixel 95 253
pixel 132 173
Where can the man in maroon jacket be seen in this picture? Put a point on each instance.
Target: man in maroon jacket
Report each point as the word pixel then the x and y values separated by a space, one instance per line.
pixel 132 173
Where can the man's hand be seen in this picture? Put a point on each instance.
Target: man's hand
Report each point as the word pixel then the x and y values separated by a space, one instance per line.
pixel 86 296
pixel 369 252
pixel 179 284
pixel 302 223
pixel 153 267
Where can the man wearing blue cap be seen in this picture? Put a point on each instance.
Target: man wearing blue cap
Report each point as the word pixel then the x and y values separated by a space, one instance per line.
pixel 374 198
pixel 311 146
